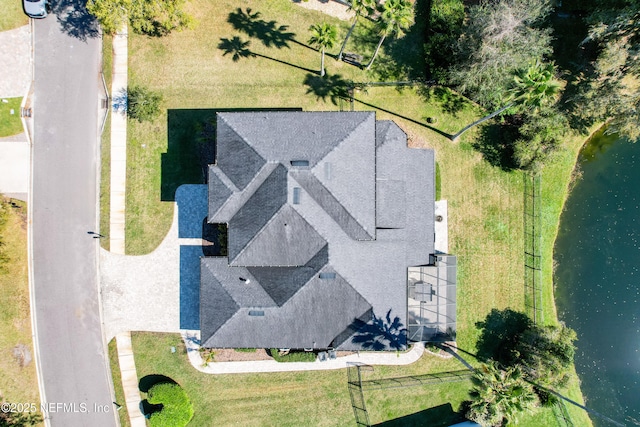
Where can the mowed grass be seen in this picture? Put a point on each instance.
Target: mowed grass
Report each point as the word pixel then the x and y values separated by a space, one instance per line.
pixel 313 398
pixel 17 384
pixel 105 145
pixel 118 389
pixel 10 124
pixel 191 72
pixel 12 15
pixel 485 203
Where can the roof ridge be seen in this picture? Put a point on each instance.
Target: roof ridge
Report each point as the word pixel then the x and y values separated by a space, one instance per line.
pixel 266 169
pixel 255 236
pixel 226 292
pixel 349 134
pixel 312 176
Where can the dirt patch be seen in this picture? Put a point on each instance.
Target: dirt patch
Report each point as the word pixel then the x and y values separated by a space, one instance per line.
pixel 231 355
pixel 330 7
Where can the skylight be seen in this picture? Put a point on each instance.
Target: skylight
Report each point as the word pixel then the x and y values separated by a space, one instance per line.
pixel 299 163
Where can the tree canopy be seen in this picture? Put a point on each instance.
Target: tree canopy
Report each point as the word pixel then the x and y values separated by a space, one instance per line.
pixel 395 17
pixel 613 88
pixel 153 18
pixel 499 396
pixel 323 36
pixel 545 353
pixel 498 39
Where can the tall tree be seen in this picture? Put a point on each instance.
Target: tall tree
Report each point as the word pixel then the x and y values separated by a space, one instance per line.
pixel 323 36
pixel 395 17
pixel 359 8
pixel 531 89
pixel 499 37
pixel 499 396
pixel 613 89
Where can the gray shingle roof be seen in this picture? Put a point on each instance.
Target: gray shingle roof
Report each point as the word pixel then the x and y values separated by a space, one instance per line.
pixel 282 136
pixel 218 191
pixel 363 209
pixel 286 241
pixel 257 212
pixel 314 317
pixel 281 283
pixel 237 159
pixel 331 205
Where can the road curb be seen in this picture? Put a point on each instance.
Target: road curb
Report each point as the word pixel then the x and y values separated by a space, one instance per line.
pixel 32 302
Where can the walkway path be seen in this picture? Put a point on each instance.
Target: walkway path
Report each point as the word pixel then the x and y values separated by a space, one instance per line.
pixel 116 227
pixel 118 144
pixel 192 342
pixel 129 379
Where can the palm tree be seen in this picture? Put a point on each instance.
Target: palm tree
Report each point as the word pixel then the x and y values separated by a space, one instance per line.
pixel 360 8
pixel 532 88
pixel 324 37
pixel 499 396
pixel 395 17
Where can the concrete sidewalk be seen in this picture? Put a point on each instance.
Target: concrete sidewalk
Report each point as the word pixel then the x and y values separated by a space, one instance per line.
pixel 192 342
pixel 129 379
pixel 118 143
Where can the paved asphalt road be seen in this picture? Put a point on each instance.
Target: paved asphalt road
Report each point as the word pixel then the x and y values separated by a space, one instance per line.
pixel 73 367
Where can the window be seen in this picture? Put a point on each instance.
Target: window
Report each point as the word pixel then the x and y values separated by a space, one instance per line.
pixel 296 195
pixel 326 276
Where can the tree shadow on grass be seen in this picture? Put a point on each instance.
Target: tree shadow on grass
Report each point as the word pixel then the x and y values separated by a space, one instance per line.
pixel 239 49
pixel 331 86
pixel 191 147
pixel 268 32
pixel 450 102
pixel 438 416
pixel 501 330
pixel 404 56
pixel 149 381
pixel 75 20
pixel 425 125
pixel 496 143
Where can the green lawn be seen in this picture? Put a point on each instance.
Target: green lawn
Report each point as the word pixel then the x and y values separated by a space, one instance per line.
pixel 10 124
pixel 105 146
pixel 17 384
pixel 485 202
pixel 12 15
pixel 117 384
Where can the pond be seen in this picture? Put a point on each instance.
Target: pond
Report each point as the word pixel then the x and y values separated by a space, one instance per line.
pixel 597 276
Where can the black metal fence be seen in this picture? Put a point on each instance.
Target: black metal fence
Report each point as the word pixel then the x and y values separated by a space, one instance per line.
pixel 532 248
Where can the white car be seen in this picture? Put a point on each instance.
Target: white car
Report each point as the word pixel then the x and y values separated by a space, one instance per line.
pixel 36 8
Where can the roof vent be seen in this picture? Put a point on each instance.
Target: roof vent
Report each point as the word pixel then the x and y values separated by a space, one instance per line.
pixel 296 195
pixel 256 313
pixel 326 276
pixel 299 163
pixel 327 171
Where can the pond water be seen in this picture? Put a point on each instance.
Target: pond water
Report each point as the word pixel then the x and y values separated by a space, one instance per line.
pixel 597 276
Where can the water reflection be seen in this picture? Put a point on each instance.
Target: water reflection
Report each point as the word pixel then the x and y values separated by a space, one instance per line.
pixel 597 276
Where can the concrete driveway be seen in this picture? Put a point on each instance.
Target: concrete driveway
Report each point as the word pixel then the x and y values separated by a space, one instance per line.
pixel 15 160
pixel 15 80
pixel 15 62
pixel 160 291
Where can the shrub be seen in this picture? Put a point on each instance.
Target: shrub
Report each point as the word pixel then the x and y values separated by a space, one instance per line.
pixel 143 104
pixel 177 409
pixel 293 356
